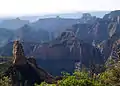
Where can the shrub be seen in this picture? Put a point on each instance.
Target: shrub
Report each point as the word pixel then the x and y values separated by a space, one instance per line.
pixel 5 81
pixel 112 75
pixel 78 78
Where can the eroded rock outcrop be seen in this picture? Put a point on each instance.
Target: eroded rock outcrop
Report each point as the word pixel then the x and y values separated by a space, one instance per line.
pixel 18 54
pixel 25 71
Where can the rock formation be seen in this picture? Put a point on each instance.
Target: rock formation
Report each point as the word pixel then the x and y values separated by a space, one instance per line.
pixel 75 44
pixel 18 54
pixel 112 43
pixel 25 71
pixel 62 53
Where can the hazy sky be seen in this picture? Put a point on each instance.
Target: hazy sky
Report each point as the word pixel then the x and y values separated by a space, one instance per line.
pixel 32 7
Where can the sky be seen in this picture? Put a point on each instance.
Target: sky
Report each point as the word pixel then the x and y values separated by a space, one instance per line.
pixel 35 7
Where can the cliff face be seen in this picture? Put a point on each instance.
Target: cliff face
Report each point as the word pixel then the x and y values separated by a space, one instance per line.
pixel 75 45
pixel 112 43
pixel 28 34
pixel 67 46
pixel 102 32
pixel 99 30
pixel 62 53
pixel 89 32
pixel 105 32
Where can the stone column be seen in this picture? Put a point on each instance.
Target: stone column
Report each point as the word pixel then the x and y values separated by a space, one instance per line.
pixel 18 54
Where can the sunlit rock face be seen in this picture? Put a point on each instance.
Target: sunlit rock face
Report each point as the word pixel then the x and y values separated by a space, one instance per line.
pixel 18 54
pixel 111 44
pixel 62 53
pixel 89 32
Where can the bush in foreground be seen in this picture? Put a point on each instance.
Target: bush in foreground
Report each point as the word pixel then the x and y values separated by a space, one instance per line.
pixel 5 81
pixel 78 78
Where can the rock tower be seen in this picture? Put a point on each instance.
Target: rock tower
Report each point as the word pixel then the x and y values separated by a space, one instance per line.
pixel 18 53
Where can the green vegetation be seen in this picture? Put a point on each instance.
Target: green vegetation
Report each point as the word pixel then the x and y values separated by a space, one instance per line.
pixel 78 78
pixel 110 77
pixel 4 65
pixel 5 81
